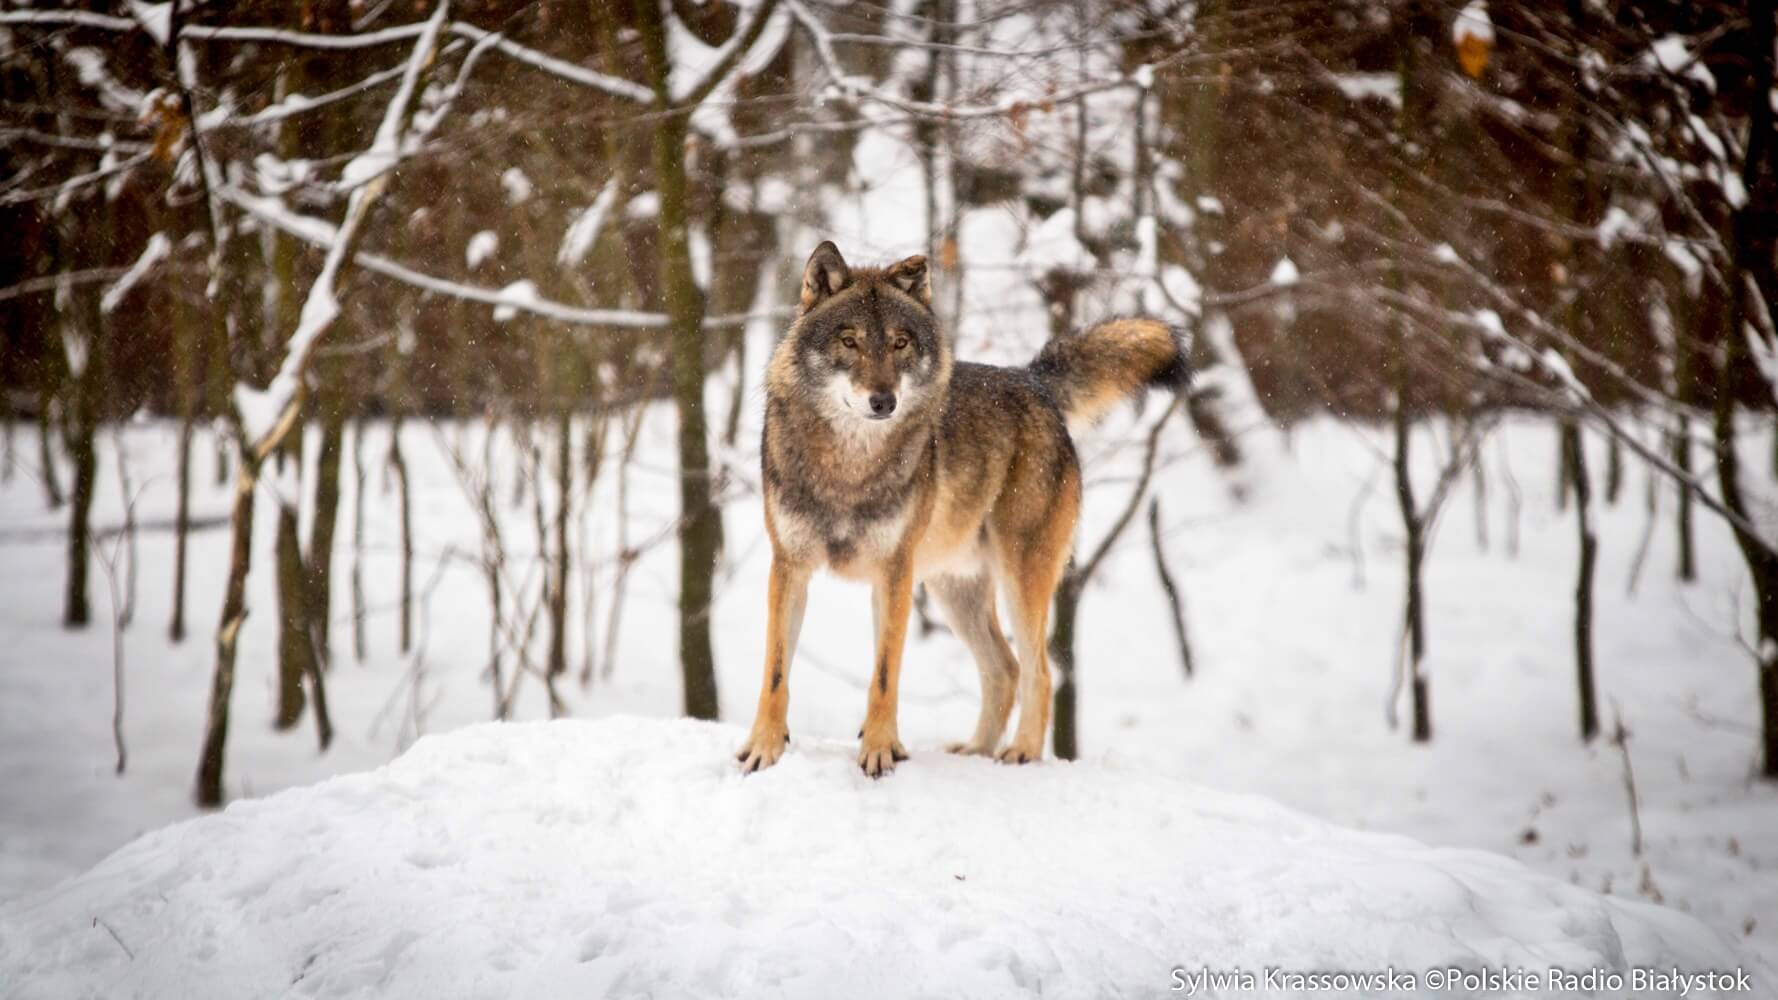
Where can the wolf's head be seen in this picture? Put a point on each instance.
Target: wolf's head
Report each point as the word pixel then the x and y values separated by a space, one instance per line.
pixel 865 343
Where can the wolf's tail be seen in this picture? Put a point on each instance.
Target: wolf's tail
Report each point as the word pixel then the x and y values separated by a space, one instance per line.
pixel 1092 370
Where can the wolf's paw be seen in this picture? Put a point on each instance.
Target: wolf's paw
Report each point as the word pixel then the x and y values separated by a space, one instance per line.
pixel 877 757
pixel 763 747
pixel 969 748
pixel 1015 753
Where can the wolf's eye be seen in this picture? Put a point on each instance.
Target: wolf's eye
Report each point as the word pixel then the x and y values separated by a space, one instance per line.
pixel 851 344
pixel 901 343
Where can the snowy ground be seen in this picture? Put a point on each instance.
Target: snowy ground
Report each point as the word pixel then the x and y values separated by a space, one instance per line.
pixel 1293 613
pixel 626 857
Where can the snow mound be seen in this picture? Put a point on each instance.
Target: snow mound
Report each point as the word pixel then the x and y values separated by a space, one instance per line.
pixel 629 857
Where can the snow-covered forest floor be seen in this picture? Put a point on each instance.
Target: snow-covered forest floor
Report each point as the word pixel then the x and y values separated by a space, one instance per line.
pixel 1292 594
pixel 625 858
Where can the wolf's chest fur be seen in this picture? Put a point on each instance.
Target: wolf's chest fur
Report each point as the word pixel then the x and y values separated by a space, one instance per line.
pixel 843 501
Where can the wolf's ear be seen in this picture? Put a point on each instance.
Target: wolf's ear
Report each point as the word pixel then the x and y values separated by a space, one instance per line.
pixel 909 275
pixel 825 274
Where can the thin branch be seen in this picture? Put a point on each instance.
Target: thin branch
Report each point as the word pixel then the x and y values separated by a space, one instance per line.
pixel 615 86
pixel 322 306
pixel 736 49
pixel 320 233
pixel 1151 447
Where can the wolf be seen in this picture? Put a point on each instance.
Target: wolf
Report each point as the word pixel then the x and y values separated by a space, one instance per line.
pixel 886 460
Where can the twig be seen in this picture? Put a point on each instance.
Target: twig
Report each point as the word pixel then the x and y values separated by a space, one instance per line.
pixel 120 611
pixel 414 722
pixel 626 555
pixel 126 948
pixel 1355 524
pixel 129 534
pixel 1168 585
pixel 1648 531
pixel 1620 738
pixel 1515 499
pixel 1098 555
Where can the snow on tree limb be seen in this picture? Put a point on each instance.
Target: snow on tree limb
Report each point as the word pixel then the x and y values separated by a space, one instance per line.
pixel 266 414
pixel 51 282
pixel 66 189
pixel 1560 399
pixel 706 68
pixel 584 231
pixel 297 104
pixel 155 18
pixel 73 18
pixel 322 234
pixel 851 86
pixel 156 251
pixel 615 86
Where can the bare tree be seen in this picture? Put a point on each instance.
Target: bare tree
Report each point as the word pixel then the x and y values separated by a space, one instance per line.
pixel 275 411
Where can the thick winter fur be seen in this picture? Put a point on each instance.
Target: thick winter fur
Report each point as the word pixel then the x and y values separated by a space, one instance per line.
pixel 886 460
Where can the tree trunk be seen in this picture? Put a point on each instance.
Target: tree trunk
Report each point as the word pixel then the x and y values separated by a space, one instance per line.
pixel 1614 469
pixel 1574 449
pixel 599 424
pixel 1682 457
pixel 1762 565
pixel 1413 525
pixel 46 453
pixel 1576 198
pixel 1062 634
pixel 295 651
pixel 298 638
pixel 208 792
pixel 700 526
pixel 221 458
pixel 1478 470
pixel 1755 234
pixel 558 575
pixel 181 527
pixel 76 610
pixel 127 613
pixel 1414 550
pixel 398 463
pixel 319 559
pixel 82 426
pixel 358 539
pixel 625 557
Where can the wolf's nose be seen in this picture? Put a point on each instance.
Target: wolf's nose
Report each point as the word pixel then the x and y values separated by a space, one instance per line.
pixel 882 403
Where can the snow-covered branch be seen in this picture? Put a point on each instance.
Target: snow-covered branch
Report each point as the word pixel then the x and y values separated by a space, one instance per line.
pixel 1567 395
pixel 851 86
pixel 517 296
pixel 156 251
pixel 615 86
pixel 266 414
pixel 69 18
pixel 51 282
pixel 705 68
pixel 65 189
pixel 297 104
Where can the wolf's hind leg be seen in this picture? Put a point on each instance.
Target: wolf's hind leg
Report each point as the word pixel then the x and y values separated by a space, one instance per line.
pixel 1029 600
pixel 1029 569
pixel 968 604
pixel 787 595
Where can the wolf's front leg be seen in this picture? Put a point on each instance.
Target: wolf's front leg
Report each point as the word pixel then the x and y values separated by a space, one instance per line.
pixel 787 593
pixel 879 747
